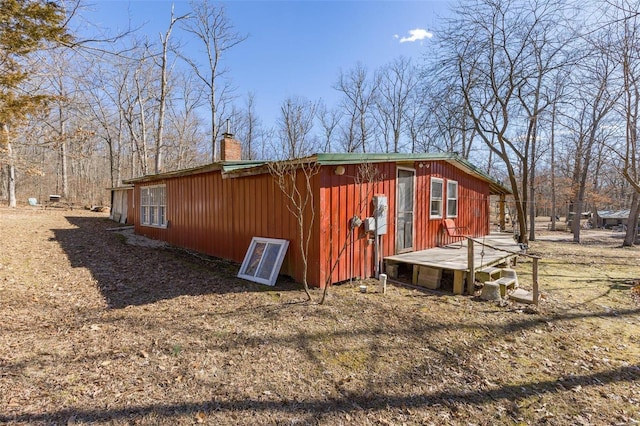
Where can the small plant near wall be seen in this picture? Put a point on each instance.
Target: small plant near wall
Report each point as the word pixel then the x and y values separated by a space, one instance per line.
pixel 294 178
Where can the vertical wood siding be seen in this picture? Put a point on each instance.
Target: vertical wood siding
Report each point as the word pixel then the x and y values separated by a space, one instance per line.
pixel 219 216
pixel 131 211
pixel 346 254
pixel 473 204
pixel 341 199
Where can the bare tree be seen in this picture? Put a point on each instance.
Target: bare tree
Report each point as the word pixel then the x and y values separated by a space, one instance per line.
pixel 137 107
pixel 296 120
pixel 552 124
pixel 105 92
pixel 247 126
pixel 447 120
pixel 593 102
pixel 163 63
pixel 552 52
pixel 7 146
pixel 25 28
pixel 504 54
pixel 358 100
pixel 625 49
pixel 397 81
pixel 295 180
pixel 64 120
pixel 185 140
pixel 211 26
pixel 329 120
pixel 62 148
pixel 416 116
pixel 266 138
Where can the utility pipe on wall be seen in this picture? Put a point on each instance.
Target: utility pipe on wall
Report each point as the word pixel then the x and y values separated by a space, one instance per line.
pixel 380 217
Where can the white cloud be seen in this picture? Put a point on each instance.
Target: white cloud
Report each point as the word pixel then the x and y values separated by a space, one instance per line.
pixel 415 35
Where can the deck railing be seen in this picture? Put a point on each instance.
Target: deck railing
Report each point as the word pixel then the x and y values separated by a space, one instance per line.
pixel 471 278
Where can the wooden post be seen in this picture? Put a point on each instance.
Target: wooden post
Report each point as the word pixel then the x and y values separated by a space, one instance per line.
pixel 471 275
pixel 503 223
pixel 535 281
pixel 458 280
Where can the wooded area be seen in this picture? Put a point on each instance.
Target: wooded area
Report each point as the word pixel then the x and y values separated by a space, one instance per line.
pixel 544 95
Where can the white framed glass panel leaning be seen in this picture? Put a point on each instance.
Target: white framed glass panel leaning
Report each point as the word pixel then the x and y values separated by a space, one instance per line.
pixel 263 260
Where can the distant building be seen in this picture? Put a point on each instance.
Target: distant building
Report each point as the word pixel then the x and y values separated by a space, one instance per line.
pixel 121 198
pixel 609 219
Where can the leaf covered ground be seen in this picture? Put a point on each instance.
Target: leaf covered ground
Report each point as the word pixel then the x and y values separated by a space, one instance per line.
pixel 96 328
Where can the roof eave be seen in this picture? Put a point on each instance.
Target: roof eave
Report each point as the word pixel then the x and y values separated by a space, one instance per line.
pixel 235 169
pixel 496 187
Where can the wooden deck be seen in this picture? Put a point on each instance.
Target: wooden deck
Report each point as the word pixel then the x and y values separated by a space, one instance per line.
pixel 485 252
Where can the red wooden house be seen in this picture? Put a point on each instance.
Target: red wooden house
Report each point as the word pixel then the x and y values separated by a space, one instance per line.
pixel 217 209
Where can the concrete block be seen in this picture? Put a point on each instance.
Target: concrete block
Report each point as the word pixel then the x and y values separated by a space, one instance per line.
pixel 490 291
pixel 428 277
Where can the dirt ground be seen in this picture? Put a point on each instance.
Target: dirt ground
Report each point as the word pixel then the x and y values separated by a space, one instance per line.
pixel 99 329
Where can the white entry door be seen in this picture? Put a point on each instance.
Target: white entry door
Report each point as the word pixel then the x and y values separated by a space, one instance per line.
pixel 404 210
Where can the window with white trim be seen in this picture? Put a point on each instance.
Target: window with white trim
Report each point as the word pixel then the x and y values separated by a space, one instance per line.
pixel 153 206
pixel 436 197
pixel 452 198
pixel 263 260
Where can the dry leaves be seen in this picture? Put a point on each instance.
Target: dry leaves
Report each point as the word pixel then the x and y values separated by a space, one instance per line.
pixel 98 331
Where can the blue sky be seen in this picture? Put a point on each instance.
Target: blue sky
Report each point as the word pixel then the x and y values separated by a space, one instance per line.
pixel 295 48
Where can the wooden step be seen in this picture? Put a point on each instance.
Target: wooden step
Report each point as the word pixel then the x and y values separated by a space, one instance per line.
pixel 522 296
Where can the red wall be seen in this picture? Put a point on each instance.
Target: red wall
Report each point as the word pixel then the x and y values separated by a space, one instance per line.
pixel 342 198
pixel 217 216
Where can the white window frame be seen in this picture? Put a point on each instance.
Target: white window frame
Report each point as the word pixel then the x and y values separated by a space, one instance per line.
pixel 257 267
pixel 452 196
pixel 432 200
pixel 153 206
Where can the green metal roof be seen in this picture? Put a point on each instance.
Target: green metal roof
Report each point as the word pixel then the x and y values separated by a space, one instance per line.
pixel 231 166
pixel 495 185
pixel 225 166
pixel 353 157
pixel 238 168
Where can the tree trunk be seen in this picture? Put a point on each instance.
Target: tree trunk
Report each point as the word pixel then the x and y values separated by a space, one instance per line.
pixel 163 93
pixel 63 153
pixel 522 209
pixel 532 189
pixel 4 183
pixel 11 171
pixel 214 127
pixel 112 169
pixel 12 177
pixel 63 168
pixel 553 169
pixel 582 187
pixel 631 237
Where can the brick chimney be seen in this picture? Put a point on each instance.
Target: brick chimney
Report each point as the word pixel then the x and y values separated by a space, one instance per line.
pixel 230 149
